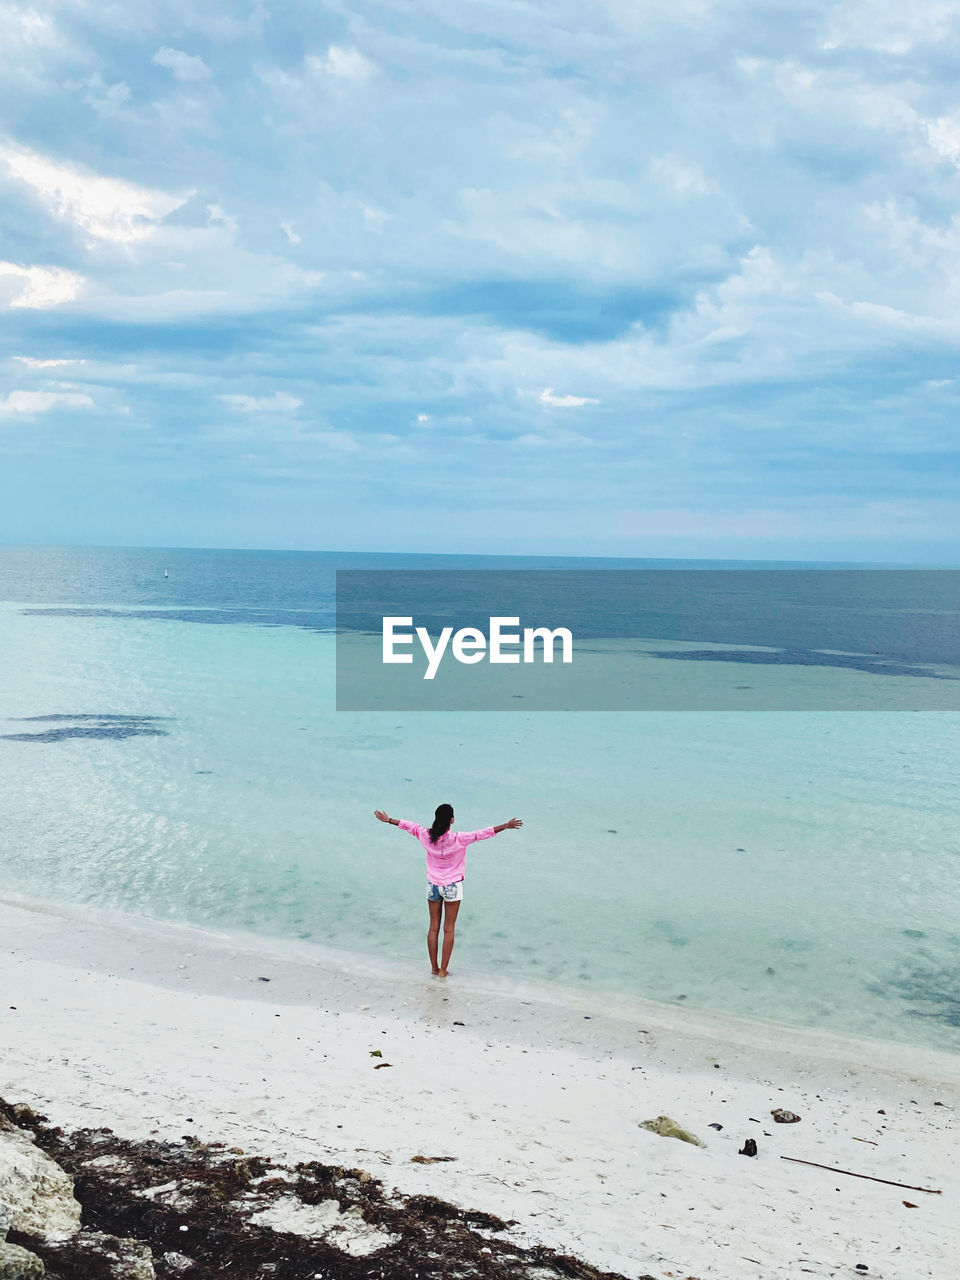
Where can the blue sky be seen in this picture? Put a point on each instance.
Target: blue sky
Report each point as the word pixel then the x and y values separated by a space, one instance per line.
pixel 631 277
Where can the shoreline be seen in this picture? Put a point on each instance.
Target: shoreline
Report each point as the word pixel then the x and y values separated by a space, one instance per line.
pixel 153 1028
pixel 232 960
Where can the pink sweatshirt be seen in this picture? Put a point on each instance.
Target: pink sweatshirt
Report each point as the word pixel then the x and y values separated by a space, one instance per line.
pixel 447 858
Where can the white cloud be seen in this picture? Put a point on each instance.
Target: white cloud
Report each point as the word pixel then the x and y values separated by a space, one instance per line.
pixel 107 100
pixel 33 363
pixel 106 208
pixel 562 439
pixel 25 28
pixel 890 26
pixel 29 403
pixel 186 67
pixel 374 218
pixel 288 231
pixel 943 135
pixel 423 419
pixel 564 402
pixel 683 177
pixel 342 64
pixel 279 402
pixel 633 17
pixel 37 288
pixel 218 217
pixel 560 143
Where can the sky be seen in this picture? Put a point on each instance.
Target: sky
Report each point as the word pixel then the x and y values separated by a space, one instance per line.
pixel 598 277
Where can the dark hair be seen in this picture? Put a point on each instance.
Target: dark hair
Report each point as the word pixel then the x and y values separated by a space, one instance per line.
pixel 442 820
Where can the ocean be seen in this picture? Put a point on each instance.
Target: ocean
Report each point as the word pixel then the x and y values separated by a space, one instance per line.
pixel 170 747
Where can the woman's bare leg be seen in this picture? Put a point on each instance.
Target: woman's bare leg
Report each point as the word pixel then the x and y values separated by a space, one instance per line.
pixel 433 934
pixel 449 926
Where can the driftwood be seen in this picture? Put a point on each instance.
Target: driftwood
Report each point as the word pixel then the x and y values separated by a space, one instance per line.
pixel 930 1191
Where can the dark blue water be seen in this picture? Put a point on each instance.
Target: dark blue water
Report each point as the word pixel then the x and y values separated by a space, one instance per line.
pixel 879 620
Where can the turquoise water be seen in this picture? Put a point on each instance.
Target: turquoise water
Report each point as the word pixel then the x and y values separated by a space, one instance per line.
pixel 799 866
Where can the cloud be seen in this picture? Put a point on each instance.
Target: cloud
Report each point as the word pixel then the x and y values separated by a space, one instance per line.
pixel 33 363
pixel 26 28
pixel 186 67
pixel 682 177
pixel 374 218
pixel 738 242
pixel 219 217
pixel 560 439
pixel 37 288
pixel 110 209
pixel 564 402
pixel 342 64
pixel 890 26
pixel 28 404
pixel 279 402
pixel 107 100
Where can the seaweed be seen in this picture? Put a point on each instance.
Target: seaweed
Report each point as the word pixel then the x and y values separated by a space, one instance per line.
pixel 197 1219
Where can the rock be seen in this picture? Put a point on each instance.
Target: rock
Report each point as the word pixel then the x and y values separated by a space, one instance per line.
pixel 749 1148
pixel 346 1229
pixel 37 1191
pixel 126 1259
pixel 178 1261
pixel 668 1128
pixel 785 1117
pixel 19 1264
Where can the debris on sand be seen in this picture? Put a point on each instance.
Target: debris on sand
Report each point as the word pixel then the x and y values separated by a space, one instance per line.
pixel 668 1128
pixel 210 1211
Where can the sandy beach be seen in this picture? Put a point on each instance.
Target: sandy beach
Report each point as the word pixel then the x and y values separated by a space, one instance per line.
pixel 537 1093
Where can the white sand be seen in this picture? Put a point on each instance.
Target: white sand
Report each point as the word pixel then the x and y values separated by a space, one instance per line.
pixel 164 1030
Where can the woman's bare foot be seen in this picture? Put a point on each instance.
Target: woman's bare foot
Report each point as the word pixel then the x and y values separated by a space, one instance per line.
pixel 435 973
pixel 442 973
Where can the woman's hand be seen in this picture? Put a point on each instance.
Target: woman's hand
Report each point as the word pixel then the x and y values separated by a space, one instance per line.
pixel 378 813
pixel 508 826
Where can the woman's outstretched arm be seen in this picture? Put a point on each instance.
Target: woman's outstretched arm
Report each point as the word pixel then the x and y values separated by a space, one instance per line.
pixel 379 813
pixel 508 826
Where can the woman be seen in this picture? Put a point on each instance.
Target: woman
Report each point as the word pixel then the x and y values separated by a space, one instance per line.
pixel 446 856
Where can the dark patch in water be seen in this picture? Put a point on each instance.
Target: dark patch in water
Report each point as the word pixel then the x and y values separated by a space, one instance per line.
pixel 664 930
pixel 933 993
pixel 307 619
pixel 84 725
pixel 804 658
pixel 84 715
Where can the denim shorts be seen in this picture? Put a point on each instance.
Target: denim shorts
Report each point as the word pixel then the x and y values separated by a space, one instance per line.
pixel 445 892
